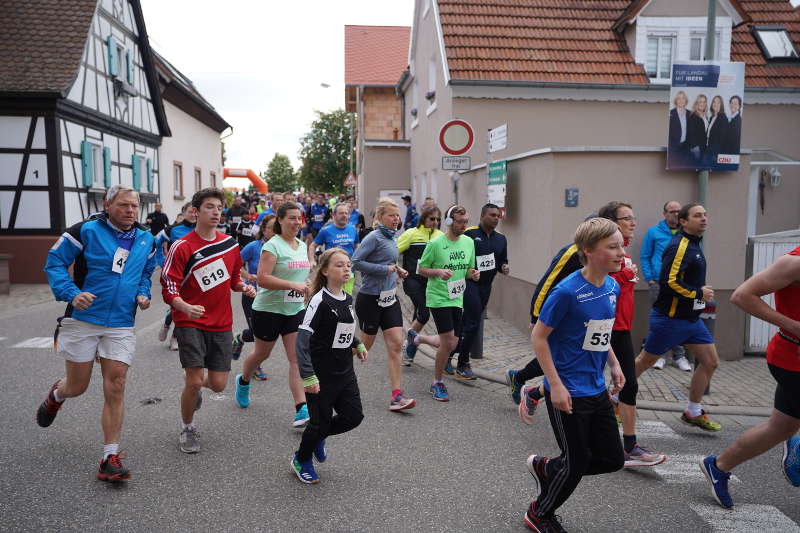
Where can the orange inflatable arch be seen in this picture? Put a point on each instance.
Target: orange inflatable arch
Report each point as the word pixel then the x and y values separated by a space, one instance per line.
pixel 257 182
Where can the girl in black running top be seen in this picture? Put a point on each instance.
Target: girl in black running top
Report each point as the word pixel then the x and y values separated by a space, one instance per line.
pixel 326 343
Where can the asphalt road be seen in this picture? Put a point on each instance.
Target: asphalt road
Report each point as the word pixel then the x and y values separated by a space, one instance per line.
pixel 458 466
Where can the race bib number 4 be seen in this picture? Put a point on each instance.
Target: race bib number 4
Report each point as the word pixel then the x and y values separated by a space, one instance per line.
pixel 211 275
pixel 343 337
pixel 699 304
pixel 247 232
pixel 456 288
pixel 485 262
pixel 292 296
pixel 120 258
pixel 386 298
pixel 598 335
pixel 319 218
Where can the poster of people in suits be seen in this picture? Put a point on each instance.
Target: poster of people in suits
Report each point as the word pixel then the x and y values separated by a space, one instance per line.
pixel 705 116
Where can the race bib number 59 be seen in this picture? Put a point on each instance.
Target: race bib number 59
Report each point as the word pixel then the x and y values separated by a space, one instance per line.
pixel 343 337
pixel 211 275
pixel 598 335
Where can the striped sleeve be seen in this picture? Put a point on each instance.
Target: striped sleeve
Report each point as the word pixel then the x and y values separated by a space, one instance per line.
pixel 562 266
pixel 676 258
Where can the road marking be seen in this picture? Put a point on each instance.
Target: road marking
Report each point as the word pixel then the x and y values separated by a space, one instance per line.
pixel 683 469
pixel 653 429
pixel 36 342
pixel 3 338
pixel 747 517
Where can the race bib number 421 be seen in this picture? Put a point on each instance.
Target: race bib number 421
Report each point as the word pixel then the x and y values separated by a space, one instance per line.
pixel 598 335
pixel 211 275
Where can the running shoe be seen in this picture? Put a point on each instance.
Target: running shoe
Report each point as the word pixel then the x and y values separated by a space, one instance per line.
pixel 718 480
pixel 439 392
pixel 403 357
pixel 189 440
pixel 162 333
pixel 238 344
pixel 320 452
pixel 541 524
pixel 791 460
pixel 49 408
pixel 682 364
pixel 399 402
pixel 465 373
pixel 173 344
pixel 301 417
pixel 304 471
pixel 659 364
pixel 111 469
pixel 527 405
pixel 242 392
pixel 260 375
pixel 448 368
pixel 411 343
pixel 537 467
pixel 703 421
pixel 511 381
pixel 641 456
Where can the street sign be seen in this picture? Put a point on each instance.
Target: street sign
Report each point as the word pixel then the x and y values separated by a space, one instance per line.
pixel 498 138
pixel 456 162
pixel 571 197
pixel 350 180
pixel 496 187
pixel 456 137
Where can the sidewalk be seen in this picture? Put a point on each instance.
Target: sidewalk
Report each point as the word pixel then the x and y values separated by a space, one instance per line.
pixel 742 387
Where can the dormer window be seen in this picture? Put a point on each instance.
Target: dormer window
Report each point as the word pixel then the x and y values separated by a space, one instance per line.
pixel 697 46
pixel 660 49
pixel 775 42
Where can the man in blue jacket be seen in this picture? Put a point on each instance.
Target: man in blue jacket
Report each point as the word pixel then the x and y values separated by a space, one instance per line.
pixel 655 241
pixel 113 259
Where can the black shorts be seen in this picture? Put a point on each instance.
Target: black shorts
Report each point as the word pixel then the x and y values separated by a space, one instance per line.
pixel 198 348
pixel 267 326
pixel 787 393
pixel 447 319
pixel 371 316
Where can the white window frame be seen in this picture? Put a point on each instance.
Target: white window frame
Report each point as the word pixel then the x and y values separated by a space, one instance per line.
pixel 98 168
pixel 673 36
pixel 177 179
pixel 122 65
pixel 764 46
pixel 702 36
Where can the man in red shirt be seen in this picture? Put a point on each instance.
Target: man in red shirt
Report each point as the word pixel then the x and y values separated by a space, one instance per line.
pixel 199 273
pixel 783 358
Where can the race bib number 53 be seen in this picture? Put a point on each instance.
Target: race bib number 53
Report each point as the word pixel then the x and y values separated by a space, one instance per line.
pixel 211 275
pixel 598 335
pixel 456 288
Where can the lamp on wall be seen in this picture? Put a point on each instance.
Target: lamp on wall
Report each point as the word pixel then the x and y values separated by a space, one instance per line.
pixel 774 177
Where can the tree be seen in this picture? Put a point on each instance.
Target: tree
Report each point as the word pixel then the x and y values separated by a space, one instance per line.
pixel 280 175
pixel 324 152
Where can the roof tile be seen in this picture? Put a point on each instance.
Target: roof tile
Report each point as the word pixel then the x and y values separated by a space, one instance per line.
pixel 375 55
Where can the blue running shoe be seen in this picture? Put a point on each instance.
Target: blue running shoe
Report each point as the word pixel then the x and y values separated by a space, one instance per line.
pixel 448 368
pixel 238 344
pixel 718 480
pixel 242 392
pixel 301 417
pixel 791 460
pixel 465 373
pixel 320 452
pixel 304 471
pixel 411 343
pixel 511 381
pixel 439 392
pixel 260 375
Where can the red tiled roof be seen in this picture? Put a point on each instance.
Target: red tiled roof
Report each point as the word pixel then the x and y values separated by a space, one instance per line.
pixel 758 73
pixel 375 55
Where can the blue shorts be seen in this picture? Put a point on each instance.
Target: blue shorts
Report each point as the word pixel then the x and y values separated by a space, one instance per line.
pixel 667 332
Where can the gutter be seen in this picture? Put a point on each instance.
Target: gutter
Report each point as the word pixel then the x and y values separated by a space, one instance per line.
pixel 610 86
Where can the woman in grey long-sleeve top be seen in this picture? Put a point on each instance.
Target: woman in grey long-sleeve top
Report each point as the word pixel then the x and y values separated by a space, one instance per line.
pixel 377 306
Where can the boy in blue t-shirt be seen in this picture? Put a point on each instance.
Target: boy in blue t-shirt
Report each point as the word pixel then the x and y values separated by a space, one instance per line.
pixel 572 340
pixel 338 234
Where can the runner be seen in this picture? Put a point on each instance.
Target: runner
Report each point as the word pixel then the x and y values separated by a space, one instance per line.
pixel 682 296
pixel 411 244
pixel 251 255
pixel 491 257
pixel 278 307
pixel 782 278
pixel 326 344
pixel 113 259
pixel 376 304
pixel 447 261
pixel 572 340
pixel 200 271
pixel 340 234
pixel 317 214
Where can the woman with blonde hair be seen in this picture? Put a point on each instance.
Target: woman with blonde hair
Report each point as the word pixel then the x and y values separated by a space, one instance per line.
pixel 678 150
pixel 717 129
pixel 697 129
pixel 377 306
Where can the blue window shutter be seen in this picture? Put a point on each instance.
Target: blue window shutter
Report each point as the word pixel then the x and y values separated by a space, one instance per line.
pixel 129 63
pixel 137 179
pixel 107 166
pixel 112 56
pixel 149 175
pixel 87 165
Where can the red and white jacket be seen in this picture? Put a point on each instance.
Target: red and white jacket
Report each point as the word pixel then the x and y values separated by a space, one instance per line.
pixel 627 281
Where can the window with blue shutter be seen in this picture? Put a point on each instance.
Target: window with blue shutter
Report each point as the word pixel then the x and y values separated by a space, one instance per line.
pixel 107 166
pixel 112 56
pixel 137 172
pixel 149 175
pixel 87 163
pixel 129 63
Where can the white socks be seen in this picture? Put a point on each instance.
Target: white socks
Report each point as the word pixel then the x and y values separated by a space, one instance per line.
pixel 694 409
pixel 110 449
pixel 57 396
pixel 187 426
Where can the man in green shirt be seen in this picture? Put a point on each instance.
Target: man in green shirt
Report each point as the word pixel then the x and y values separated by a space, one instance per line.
pixel 447 261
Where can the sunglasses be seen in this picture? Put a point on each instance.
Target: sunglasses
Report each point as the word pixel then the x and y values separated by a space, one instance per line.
pixel 436 219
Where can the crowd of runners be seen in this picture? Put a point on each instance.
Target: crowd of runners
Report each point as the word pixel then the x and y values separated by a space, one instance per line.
pixel 294 257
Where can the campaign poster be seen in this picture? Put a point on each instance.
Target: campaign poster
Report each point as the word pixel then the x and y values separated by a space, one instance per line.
pixel 706 103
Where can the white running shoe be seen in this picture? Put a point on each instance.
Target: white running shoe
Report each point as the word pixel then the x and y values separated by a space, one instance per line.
pixel 660 363
pixel 683 364
pixel 162 333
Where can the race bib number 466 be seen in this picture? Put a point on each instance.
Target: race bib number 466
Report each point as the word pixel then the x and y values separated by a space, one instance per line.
pixel 292 296
pixel 598 335
pixel 456 288
pixel 211 275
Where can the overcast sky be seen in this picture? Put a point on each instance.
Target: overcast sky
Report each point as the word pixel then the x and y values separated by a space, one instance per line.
pixel 260 64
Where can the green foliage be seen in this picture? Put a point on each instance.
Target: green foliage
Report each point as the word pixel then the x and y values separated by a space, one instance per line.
pixel 324 152
pixel 280 175
pixel 228 197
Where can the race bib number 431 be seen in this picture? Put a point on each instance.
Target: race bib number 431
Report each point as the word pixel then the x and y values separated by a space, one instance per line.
pixel 456 288
pixel 211 275
pixel 598 335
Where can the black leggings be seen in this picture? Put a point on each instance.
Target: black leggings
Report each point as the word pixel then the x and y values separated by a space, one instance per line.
pixel 532 370
pixel 590 445
pixel 342 396
pixel 415 289
pixel 622 344
pixel 247 306
pixel 475 299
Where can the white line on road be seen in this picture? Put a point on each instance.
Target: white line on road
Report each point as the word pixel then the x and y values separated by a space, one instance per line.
pixel 747 517
pixel 683 469
pixel 36 342
pixel 647 430
pixel 3 338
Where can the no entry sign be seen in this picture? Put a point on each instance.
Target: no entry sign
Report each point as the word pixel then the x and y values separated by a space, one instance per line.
pixel 456 137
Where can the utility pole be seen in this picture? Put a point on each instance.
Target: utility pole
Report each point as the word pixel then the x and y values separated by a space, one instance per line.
pixel 711 31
